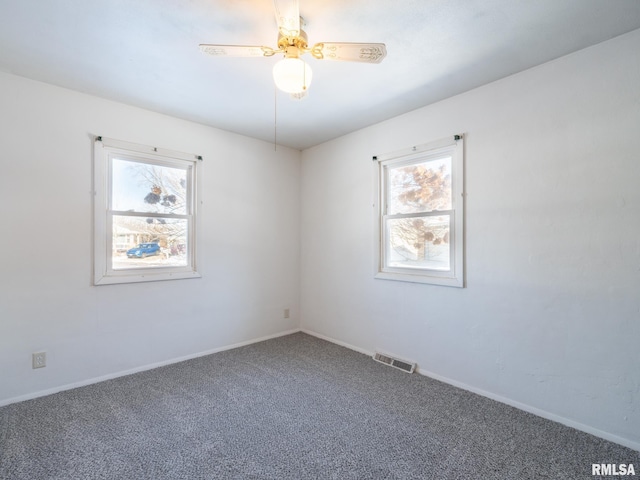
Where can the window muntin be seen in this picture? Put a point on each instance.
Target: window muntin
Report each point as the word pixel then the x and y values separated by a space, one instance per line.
pixel 420 214
pixel 145 213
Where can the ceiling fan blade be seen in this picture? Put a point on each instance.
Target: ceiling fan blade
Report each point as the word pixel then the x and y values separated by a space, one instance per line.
pixel 350 52
pixel 288 17
pixel 236 50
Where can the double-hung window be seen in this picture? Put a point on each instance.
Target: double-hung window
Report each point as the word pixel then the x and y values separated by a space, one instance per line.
pixel 420 226
pixel 145 213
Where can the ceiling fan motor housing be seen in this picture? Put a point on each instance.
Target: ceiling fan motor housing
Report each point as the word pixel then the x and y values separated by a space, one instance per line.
pixel 293 47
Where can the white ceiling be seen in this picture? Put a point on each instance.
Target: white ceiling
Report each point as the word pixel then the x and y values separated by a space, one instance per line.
pixel 145 53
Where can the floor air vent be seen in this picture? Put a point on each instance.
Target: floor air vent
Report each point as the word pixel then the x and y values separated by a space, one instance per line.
pixel 407 367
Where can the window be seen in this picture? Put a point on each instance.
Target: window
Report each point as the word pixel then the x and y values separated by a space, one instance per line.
pixel 145 213
pixel 420 227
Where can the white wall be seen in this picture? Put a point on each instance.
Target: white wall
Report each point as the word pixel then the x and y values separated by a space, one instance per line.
pixel 249 249
pixel 550 320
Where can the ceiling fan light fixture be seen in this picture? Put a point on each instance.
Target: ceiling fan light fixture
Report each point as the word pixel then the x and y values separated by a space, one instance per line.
pixel 292 75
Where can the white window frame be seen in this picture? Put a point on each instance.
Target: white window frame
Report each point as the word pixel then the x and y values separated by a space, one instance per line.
pixel 455 276
pixel 105 151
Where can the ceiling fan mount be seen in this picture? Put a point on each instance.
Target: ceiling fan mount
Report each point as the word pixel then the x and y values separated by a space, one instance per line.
pixel 292 74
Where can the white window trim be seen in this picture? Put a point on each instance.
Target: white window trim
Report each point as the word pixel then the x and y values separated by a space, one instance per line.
pixel 455 277
pixel 104 150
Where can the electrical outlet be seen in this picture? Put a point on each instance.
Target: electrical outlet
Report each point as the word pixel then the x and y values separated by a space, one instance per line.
pixel 286 313
pixel 39 359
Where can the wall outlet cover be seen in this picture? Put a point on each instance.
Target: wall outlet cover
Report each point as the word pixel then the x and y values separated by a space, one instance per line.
pixel 39 359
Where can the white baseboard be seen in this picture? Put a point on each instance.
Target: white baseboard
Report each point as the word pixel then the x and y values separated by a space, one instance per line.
pixel 110 376
pixel 507 401
pixel 337 342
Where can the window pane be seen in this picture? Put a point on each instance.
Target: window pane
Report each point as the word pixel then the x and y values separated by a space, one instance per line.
pixel 420 187
pixel 143 187
pixel 419 243
pixel 148 242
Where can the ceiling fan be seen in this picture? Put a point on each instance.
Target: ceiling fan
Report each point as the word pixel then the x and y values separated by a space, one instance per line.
pixel 292 74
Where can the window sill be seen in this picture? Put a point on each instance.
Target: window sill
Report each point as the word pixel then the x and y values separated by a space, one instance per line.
pixel 421 278
pixel 143 277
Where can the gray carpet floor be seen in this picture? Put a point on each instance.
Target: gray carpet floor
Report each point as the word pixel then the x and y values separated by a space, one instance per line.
pixel 295 407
